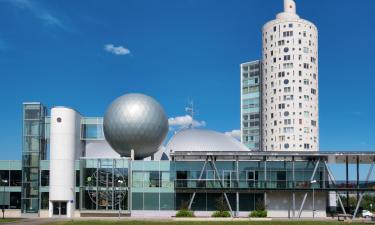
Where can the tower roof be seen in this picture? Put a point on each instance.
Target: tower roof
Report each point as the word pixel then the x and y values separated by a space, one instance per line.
pixel 290 10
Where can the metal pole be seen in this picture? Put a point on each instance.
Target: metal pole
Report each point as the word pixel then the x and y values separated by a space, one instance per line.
pixel 199 179
pixel 313 203
pixel 294 184
pixel 119 206
pixel 3 199
pixel 347 181
pixel 265 180
pixel 237 186
pixel 222 185
pixel 334 182
pixel 361 196
pixel 311 179
pixel 130 184
pixel 357 178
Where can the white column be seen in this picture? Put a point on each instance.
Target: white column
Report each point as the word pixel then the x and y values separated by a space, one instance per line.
pixel 64 144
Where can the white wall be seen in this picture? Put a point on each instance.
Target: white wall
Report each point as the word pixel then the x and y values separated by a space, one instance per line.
pixel 284 76
pixel 65 148
pixel 280 204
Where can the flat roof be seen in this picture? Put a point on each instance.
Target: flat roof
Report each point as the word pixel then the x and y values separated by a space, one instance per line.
pixel 364 157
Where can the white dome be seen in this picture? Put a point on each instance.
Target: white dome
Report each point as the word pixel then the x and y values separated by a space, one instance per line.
pixel 203 140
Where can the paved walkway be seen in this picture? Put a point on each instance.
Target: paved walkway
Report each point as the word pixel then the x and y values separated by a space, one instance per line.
pixel 40 221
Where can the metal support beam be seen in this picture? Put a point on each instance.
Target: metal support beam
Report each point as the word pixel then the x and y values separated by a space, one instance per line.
pixel 212 161
pixel 265 180
pixel 294 193
pixel 199 179
pixel 330 174
pixel 357 167
pixel 347 180
pixel 237 186
pixel 311 179
pixel 361 196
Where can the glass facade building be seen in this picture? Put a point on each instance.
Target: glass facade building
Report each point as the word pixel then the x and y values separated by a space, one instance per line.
pixel 34 150
pixel 251 108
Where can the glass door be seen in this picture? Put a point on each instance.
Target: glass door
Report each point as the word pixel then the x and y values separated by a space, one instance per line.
pixel 59 208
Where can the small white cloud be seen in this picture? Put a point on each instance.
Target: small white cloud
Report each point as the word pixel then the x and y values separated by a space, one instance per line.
pixel 119 50
pixel 185 121
pixel 234 133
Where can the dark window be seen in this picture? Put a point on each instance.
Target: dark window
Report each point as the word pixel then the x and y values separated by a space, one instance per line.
pixel 15 177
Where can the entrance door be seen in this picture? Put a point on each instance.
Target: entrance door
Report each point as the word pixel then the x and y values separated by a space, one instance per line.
pixel 59 208
pixel 62 208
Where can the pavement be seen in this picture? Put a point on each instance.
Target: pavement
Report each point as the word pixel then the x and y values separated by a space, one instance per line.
pixel 40 221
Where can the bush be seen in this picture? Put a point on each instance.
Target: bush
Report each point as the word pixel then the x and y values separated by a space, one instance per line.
pixel 221 214
pixel 185 213
pixel 258 213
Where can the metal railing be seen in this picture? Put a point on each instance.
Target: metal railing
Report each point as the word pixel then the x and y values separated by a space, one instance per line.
pixel 278 184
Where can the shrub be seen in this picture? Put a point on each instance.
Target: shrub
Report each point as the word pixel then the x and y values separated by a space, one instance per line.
pixel 221 214
pixel 185 213
pixel 258 213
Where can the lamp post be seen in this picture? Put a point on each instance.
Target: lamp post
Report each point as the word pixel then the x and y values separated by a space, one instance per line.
pixel 313 197
pixel 119 198
pixel 4 183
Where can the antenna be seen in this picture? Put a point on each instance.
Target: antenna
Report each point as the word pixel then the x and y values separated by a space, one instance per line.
pixel 191 111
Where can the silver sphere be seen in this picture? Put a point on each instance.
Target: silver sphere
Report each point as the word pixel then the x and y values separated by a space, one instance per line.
pixel 135 121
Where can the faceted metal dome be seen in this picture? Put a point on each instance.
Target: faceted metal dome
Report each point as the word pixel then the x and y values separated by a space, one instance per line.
pixel 135 121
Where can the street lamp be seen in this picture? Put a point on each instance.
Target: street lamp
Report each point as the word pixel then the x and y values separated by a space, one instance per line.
pixel 313 197
pixel 119 198
pixel 4 183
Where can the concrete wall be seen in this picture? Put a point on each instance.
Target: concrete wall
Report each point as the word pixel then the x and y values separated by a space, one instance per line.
pixel 280 204
pixel 12 213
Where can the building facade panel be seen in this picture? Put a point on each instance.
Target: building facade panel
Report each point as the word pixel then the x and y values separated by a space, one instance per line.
pixel 251 104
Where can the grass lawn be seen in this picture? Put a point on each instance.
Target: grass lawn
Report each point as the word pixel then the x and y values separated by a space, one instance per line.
pixel 7 220
pixel 201 223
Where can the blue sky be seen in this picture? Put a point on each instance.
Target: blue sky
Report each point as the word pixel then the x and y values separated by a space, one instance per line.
pixel 83 54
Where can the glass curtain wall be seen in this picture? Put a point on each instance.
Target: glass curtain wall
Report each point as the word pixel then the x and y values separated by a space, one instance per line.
pixel 251 75
pixel 34 150
pixel 152 185
pixel 104 184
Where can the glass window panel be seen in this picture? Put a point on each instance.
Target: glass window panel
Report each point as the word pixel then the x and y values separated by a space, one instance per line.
pixel 15 177
pixel 45 178
pixel 137 201
pixel 4 198
pixel 154 179
pixel 151 201
pixel 138 179
pixel 15 200
pixel 199 203
pixel 32 113
pixel 44 204
pixel 31 127
pixel 31 144
pixel 166 201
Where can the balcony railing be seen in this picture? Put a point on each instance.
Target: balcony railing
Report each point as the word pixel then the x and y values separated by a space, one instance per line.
pixel 278 184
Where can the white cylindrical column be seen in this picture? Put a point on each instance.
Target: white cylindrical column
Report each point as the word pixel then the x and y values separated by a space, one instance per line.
pixel 290 83
pixel 64 143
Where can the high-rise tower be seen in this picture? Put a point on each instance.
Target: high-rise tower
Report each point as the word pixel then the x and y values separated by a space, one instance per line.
pixel 290 83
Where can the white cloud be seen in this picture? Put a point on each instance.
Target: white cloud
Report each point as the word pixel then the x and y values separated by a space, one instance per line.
pixel 234 133
pixel 38 11
pixel 185 121
pixel 119 50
